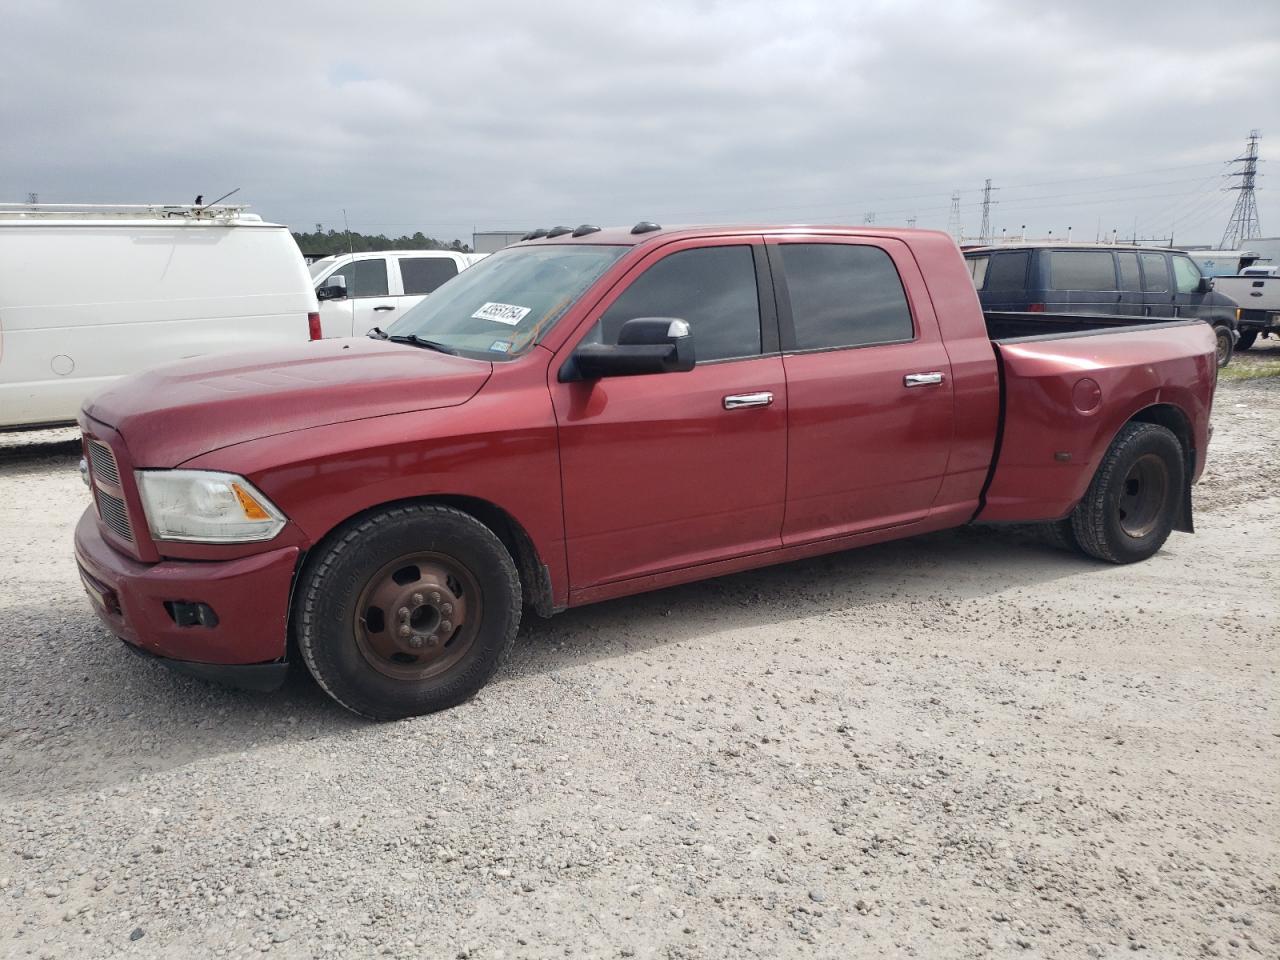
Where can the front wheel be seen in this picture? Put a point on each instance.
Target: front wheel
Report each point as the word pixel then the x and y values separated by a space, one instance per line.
pixel 1246 339
pixel 1225 344
pixel 1129 509
pixel 407 610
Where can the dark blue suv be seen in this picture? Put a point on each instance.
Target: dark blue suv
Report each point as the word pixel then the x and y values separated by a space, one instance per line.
pixel 1102 279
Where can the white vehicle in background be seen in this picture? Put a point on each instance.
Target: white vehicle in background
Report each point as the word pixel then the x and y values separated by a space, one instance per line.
pixel 1257 292
pixel 364 290
pixel 91 293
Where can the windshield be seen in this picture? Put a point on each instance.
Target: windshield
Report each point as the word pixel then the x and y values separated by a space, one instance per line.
pixel 503 305
pixel 320 266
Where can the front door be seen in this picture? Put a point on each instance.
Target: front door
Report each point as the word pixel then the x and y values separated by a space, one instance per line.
pixel 368 302
pixel 1188 298
pixel 869 388
pixel 662 471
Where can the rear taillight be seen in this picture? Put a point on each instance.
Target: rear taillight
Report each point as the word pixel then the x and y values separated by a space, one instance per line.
pixel 313 325
pixel 1036 308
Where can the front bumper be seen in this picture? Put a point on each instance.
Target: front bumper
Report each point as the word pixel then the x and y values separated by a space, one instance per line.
pixel 249 597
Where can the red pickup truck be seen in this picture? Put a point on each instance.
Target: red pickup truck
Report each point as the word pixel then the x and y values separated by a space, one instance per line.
pixel 593 413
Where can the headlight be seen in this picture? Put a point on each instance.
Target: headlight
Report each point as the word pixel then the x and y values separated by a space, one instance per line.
pixel 206 507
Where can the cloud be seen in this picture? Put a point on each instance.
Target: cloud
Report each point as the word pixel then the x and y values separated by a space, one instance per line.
pixel 442 117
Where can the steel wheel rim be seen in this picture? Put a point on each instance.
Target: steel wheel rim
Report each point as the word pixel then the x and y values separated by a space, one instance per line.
pixel 1143 495
pixel 417 617
pixel 1224 340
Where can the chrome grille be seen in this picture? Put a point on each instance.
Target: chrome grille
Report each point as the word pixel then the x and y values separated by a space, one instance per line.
pixel 103 462
pixel 114 515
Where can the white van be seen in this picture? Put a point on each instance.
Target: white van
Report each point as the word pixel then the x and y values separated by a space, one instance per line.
pixel 88 294
pixel 364 290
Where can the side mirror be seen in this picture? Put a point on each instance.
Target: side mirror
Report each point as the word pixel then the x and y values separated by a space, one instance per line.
pixel 1205 285
pixel 645 345
pixel 335 288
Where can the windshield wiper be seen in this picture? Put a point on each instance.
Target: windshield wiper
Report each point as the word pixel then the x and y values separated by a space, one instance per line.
pixel 418 341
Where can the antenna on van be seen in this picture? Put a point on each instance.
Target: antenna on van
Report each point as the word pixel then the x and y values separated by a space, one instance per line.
pixel 206 206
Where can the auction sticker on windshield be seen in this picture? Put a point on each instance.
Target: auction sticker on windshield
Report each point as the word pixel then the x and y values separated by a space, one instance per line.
pixel 501 313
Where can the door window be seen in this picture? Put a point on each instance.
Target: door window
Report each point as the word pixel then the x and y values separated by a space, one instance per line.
pixel 1185 275
pixel 365 278
pixel 713 289
pixel 1130 279
pixel 1155 273
pixel 844 295
pixel 1081 270
pixel 421 275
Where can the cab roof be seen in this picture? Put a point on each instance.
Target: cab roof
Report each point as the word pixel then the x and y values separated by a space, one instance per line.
pixel 635 236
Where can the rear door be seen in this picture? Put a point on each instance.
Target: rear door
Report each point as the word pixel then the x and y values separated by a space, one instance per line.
pixel 419 276
pixel 1157 290
pixel 868 386
pixel 670 470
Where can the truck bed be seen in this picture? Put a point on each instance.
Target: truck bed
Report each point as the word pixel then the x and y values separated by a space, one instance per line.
pixel 1068 382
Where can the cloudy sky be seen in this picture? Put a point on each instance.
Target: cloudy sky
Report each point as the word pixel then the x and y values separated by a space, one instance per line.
pixel 446 117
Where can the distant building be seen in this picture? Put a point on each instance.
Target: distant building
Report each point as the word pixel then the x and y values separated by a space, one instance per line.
pixel 489 241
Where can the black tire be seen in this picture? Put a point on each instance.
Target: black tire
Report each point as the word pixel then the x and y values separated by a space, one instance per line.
pixel 1131 504
pixel 1246 339
pixel 334 640
pixel 1058 533
pixel 1225 344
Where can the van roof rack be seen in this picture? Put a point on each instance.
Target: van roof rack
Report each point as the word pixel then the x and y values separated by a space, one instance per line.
pixel 127 211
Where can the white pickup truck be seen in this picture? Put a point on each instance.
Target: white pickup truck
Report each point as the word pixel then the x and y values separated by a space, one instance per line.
pixel 1257 292
pixel 364 290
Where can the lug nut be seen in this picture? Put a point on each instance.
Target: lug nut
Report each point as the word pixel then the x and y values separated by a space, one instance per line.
pixel 436 597
pixel 447 608
pixel 417 599
pixel 405 631
pixel 403 613
pixel 446 626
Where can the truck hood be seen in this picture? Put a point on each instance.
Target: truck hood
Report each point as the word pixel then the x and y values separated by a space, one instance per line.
pixel 178 411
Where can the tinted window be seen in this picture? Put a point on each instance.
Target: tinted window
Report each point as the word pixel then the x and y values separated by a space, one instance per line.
pixel 1185 274
pixel 1155 273
pixel 424 274
pixel 1130 279
pixel 365 278
pixel 1081 270
pixel 844 295
pixel 1007 273
pixel 978 270
pixel 713 289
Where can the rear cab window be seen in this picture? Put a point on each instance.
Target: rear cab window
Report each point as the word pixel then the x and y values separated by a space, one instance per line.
pixel 844 295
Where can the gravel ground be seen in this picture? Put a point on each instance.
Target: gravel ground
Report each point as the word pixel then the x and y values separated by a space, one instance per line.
pixel 960 745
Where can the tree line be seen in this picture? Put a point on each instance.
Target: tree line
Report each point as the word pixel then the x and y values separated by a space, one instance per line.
pixel 326 242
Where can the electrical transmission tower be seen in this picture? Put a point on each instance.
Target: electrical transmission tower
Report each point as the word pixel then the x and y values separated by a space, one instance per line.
pixel 869 217
pixel 954 226
pixel 911 220
pixel 33 198
pixel 1244 223
pixel 986 212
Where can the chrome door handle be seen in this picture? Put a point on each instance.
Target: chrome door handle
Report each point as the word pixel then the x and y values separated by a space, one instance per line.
pixel 739 400
pixel 921 379
pixel 385 306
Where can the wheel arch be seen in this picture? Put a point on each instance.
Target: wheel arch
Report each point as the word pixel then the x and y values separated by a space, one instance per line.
pixel 535 576
pixel 1172 418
